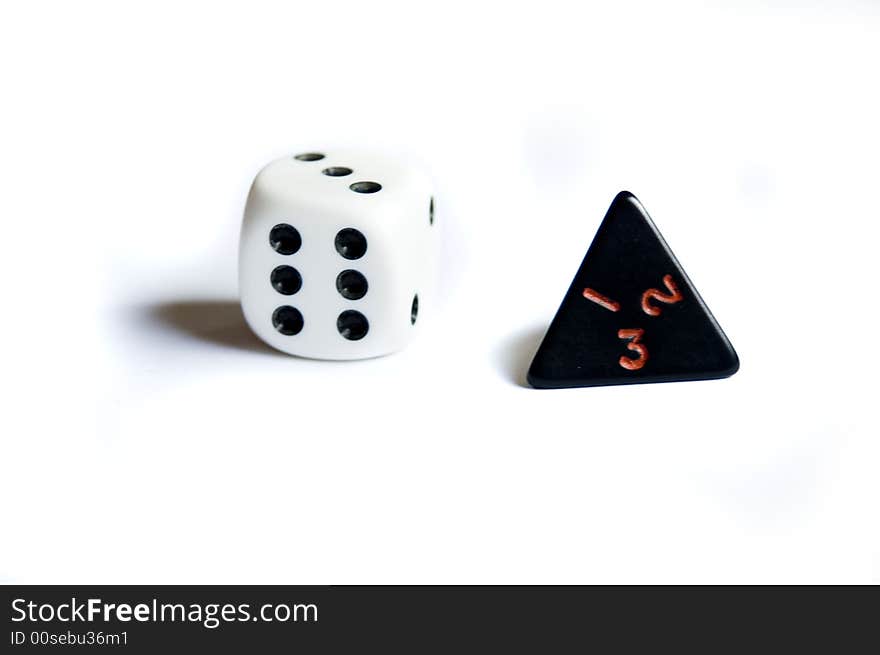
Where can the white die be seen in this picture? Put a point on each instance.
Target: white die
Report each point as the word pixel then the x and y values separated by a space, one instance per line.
pixel 337 254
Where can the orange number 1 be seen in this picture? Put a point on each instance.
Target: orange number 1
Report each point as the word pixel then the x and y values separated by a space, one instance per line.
pixel 634 336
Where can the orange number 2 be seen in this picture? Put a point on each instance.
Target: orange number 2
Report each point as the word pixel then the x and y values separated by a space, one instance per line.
pixel 629 363
pixel 673 296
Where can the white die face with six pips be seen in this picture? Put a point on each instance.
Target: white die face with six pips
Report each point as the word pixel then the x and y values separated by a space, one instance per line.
pixel 337 254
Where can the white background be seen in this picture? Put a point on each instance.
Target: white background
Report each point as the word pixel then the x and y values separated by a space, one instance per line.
pixel 147 436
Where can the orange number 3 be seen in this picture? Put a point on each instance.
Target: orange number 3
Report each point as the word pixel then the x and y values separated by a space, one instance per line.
pixel 634 336
pixel 673 296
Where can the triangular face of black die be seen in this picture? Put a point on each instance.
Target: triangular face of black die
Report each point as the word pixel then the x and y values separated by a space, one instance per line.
pixel 631 314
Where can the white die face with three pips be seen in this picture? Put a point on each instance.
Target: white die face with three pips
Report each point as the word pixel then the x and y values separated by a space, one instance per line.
pixel 337 254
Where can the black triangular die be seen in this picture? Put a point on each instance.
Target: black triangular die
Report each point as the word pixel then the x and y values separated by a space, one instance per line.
pixel 631 314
